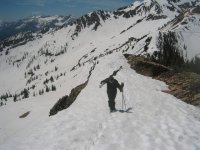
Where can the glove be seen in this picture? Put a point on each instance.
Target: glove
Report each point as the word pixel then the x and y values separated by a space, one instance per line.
pixel 100 86
pixel 122 84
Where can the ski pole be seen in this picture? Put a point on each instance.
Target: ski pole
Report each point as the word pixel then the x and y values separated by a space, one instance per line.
pixel 123 100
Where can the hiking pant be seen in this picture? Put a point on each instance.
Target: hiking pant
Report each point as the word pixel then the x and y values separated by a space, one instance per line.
pixel 111 101
pixel 111 104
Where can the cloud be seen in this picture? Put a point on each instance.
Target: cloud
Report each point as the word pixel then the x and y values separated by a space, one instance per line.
pixel 36 13
pixel 32 2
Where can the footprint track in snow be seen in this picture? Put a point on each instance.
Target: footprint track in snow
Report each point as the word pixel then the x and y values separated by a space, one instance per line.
pixel 99 132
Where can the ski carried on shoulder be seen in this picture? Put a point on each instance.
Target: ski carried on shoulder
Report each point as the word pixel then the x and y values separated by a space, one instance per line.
pixel 116 71
pixel 113 74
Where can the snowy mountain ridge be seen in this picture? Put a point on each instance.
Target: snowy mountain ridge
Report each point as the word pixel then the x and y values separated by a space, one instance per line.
pixel 35 74
pixel 186 26
pixel 20 32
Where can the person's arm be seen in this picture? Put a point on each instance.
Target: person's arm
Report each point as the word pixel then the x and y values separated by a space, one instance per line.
pixel 103 82
pixel 120 87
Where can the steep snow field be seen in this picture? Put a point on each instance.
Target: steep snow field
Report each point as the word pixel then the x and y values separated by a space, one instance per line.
pixel 156 120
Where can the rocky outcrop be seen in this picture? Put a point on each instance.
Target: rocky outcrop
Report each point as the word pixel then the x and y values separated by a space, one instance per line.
pixel 155 17
pixel 90 19
pixel 25 114
pixel 17 40
pixel 196 10
pixel 183 85
pixel 66 101
pixel 141 9
pixel 144 66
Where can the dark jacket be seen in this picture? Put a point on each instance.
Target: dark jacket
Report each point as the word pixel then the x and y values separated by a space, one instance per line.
pixel 112 85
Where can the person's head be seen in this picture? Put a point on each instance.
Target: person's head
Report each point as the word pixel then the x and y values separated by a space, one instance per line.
pixel 111 78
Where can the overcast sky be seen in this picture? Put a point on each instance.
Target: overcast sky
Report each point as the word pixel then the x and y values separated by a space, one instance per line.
pixel 16 9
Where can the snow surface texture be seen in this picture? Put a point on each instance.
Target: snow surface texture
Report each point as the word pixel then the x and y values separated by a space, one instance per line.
pixel 156 120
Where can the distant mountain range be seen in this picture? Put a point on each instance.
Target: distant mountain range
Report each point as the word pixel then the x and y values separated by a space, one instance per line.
pixel 32 24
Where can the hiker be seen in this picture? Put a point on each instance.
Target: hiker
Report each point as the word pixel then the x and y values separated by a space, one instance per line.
pixel 112 85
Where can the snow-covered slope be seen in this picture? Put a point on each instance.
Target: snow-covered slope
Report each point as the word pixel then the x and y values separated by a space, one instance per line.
pixel 63 58
pixel 156 120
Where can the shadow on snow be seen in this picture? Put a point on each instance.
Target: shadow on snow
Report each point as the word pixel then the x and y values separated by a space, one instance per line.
pixel 126 111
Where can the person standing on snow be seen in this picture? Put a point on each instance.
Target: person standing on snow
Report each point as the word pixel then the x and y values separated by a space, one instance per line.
pixel 112 85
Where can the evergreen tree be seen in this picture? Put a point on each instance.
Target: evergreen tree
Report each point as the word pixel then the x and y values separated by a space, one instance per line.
pixel 52 80
pixel 47 89
pixel 38 66
pixel 56 68
pixel 26 93
pixel 53 88
pixel 15 98
pixel 40 92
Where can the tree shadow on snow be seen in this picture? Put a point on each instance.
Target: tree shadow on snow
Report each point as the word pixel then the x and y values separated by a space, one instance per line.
pixel 127 110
